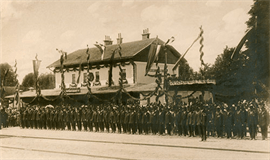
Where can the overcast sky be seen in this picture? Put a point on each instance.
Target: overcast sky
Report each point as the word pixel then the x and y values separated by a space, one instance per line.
pixel 39 27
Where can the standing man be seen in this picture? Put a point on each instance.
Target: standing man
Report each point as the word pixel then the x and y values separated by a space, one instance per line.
pixel 229 122
pixel 218 122
pixel 252 122
pixel 203 123
pixel 264 122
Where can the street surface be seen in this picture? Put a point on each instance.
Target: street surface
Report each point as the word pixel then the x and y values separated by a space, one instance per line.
pixel 16 143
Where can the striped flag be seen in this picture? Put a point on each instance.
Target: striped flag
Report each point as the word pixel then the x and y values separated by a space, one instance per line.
pixel 101 48
pixel 152 55
pixel 242 42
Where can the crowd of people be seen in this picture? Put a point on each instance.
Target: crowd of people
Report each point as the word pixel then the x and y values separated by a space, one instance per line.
pixel 197 119
pixel 8 117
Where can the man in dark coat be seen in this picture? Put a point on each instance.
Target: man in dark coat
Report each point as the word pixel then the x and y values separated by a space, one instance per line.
pixel 252 122
pixel 67 118
pixel 228 118
pixel 132 121
pixel 73 119
pixel 203 123
pixel 95 120
pixel 78 119
pixel 90 120
pixel 112 120
pixel 139 120
pixel 84 119
pixel 122 120
pixel 218 121
pixel 264 122
pixel 168 120
pixel 161 119
pixel 106 119
pixel 126 120
pixel 118 116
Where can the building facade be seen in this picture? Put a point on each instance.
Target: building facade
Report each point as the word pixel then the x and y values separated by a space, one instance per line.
pixel 133 61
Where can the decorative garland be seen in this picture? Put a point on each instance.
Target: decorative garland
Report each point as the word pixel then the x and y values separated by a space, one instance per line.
pixel 16 95
pixel 201 43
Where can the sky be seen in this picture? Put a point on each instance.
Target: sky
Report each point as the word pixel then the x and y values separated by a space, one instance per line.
pixel 31 27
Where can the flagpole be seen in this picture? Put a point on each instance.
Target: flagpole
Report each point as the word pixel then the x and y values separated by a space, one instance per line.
pixel 165 74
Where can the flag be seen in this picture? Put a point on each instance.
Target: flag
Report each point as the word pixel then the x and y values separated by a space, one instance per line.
pixel 112 61
pixel 169 41
pixel 88 55
pixel 80 70
pixel 157 52
pixel 242 42
pixel 36 64
pixel 101 48
pixel 152 55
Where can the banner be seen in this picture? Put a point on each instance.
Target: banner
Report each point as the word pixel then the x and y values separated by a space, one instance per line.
pixel 152 55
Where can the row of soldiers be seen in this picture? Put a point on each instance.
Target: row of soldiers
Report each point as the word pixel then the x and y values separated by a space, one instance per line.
pixel 198 119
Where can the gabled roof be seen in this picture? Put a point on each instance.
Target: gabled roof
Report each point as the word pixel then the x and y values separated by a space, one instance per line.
pixel 129 50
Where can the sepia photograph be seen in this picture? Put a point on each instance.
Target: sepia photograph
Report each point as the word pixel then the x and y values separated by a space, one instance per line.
pixel 134 79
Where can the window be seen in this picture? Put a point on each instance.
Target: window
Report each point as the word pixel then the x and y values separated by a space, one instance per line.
pixel 84 77
pixel 124 75
pixel 97 76
pixel 73 79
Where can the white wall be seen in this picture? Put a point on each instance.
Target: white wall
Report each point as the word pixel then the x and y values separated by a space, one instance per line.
pixel 103 76
pixel 141 78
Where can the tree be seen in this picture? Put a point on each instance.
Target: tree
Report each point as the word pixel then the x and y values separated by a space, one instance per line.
pixel 185 71
pixel 29 81
pixel 47 81
pixel 258 46
pixel 246 76
pixel 10 77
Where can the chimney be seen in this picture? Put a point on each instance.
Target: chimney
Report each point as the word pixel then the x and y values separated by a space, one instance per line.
pixel 108 41
pixel 145 34
pixel 119 39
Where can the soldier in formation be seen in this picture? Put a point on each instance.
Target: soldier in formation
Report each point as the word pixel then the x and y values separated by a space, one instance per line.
pixel 194 120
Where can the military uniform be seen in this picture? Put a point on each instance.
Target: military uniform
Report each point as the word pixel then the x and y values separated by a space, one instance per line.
pixel 203 124
pixel 264 122
pixel 218 122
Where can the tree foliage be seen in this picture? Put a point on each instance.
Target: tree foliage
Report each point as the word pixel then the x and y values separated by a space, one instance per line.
pixel 28 81
pixel 10 78
pixel 246 76
pixel 258 43
pixel 46 81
